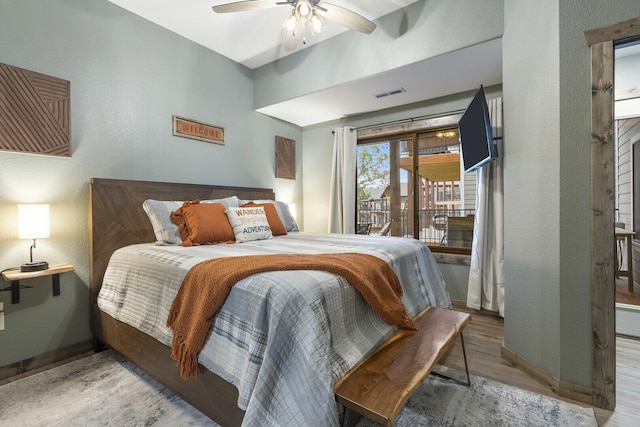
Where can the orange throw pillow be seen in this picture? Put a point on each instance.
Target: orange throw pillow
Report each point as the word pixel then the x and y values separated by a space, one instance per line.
pixel 275 223
pixel 202 223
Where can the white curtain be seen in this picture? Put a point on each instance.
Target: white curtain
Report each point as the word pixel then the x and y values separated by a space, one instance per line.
pixel 342 204
pixel 486 274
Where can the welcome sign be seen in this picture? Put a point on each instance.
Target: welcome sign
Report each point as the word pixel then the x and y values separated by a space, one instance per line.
pixel 192 129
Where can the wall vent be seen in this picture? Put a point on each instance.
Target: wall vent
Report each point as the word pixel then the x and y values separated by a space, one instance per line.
pixel 391 92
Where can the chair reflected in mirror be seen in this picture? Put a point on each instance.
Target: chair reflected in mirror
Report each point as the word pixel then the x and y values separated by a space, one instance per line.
pixel 386 228
pixel 625 237
pixel 363 228
pixel 441 223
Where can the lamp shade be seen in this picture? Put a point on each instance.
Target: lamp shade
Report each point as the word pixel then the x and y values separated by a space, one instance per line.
pixel 33 221
pixel 292 210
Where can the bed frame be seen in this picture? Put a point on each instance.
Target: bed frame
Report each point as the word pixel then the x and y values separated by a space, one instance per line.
pixel 116 219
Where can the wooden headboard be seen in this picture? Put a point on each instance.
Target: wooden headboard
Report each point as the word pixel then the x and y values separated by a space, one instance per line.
pixel 116 217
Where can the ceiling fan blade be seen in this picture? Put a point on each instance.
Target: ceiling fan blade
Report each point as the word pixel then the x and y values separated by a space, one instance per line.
pixel 345 17
pixel 241 6
pixel 292 39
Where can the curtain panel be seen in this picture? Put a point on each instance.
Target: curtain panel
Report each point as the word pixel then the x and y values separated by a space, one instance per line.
pixel 486 273
pixel 342 203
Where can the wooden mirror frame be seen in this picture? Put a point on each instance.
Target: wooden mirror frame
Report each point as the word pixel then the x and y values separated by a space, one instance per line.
pixel 602 42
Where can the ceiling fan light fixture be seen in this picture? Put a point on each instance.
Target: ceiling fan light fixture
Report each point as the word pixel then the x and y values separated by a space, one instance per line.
pixel 317 24
pixel 303 10
pixel 291 23
pixel 311 12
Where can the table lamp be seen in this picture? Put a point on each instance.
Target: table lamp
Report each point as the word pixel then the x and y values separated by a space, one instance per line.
pixel 292 210
pixel 33 223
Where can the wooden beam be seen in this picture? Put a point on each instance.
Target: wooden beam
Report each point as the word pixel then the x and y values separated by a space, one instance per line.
pixel 619 31
pixel 602 42
pixel 394 185
pixel 602 248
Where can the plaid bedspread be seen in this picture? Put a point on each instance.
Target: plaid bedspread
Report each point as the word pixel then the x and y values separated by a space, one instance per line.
pixel 282 338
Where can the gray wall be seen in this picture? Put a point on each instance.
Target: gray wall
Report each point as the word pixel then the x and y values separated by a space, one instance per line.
pixel 128 77
pixel 531 181
pixel 546 87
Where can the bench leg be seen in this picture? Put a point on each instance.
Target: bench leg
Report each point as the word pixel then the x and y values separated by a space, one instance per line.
pixel 466 368
pixel 350 418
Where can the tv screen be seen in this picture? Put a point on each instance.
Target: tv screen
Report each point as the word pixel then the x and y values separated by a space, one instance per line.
pixel 476 139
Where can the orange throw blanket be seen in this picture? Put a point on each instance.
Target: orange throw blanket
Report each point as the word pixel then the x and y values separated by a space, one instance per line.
pixel 207 285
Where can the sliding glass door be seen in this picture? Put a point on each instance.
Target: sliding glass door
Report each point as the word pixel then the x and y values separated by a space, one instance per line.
pixel 385 187
pixel 411 185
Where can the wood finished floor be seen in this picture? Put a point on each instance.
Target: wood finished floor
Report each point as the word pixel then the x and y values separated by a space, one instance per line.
pixel 623 295
pixel 483 340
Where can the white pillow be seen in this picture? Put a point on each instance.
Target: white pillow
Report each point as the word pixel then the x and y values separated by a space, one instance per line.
pixel 159 213
pixel 249 224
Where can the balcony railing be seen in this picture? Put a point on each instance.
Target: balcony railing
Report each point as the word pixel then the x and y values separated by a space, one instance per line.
pixel 438 227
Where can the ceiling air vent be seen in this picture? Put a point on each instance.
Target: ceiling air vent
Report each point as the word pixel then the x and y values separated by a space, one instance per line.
pixel 391 92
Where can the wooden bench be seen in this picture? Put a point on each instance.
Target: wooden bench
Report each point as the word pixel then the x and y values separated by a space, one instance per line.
pixel 381 384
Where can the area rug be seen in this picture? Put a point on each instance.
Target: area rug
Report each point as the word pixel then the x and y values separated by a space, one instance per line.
pixel 106 390
pixel 442 403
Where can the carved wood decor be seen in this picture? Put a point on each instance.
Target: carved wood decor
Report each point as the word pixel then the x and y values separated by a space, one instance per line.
pixel 34 112
pixel 285 158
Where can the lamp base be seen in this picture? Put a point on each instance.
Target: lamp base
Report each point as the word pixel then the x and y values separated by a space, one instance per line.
pixel 34 266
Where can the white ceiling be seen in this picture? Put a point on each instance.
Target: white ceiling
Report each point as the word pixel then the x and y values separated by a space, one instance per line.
pixel 428 79
pixel 254 38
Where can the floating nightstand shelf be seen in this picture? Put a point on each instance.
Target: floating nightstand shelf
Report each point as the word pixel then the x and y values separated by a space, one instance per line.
pixel 14 276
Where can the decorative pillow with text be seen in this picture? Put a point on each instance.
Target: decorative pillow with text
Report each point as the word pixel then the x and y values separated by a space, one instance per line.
pixel 249 223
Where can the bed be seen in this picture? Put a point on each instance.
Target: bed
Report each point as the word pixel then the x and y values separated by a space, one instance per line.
pixel 228 394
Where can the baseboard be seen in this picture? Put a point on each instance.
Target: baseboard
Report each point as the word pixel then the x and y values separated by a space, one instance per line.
pixel 42 362
pixel 563 389
pixel 462 306
pixel 449 258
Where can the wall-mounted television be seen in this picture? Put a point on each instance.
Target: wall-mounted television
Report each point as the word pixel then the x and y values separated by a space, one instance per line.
pixel 476 139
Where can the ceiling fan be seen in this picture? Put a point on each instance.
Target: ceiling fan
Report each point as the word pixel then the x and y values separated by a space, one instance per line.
pixel 304 12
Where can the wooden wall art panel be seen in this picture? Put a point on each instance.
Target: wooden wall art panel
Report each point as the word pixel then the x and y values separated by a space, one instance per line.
pixel 34 112
pixel 285 158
